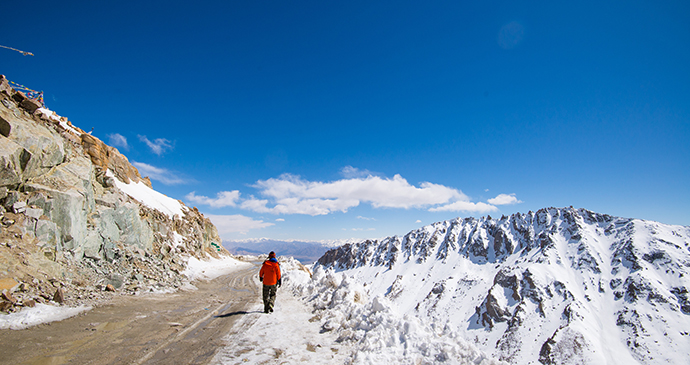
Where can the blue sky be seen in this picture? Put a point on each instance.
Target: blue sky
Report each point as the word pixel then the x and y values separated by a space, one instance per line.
pixel 319 120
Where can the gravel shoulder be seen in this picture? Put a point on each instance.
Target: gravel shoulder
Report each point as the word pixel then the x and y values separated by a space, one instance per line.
pixel 187 327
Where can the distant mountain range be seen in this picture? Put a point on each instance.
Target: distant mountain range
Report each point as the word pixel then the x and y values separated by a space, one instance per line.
pixel 307 252
pixel 556 286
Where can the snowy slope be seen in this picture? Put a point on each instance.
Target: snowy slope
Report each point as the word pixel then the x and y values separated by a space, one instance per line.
pixel 149 197
pixel 556 286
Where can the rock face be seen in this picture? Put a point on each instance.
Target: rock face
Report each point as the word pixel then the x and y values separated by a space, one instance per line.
pixel 555 286
pixel 65 223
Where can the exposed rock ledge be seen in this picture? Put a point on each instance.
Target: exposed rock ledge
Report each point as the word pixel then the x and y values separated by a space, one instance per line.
pixel 68 234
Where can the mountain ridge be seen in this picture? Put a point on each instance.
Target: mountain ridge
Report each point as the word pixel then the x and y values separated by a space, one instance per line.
pixel 559 285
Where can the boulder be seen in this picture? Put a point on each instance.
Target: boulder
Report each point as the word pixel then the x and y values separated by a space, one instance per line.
pixel 5 306
pixel 5 86
pixel 8 296
pixel 47 233
pixel 46 146
pixel 5 127
pixel 19 207
pixel 59 296
pixel 13 160
pixel 70 216
pixel 92 245
pixel 96 150
pixel 30 105
pixel 8 284
pixel 115 280
pixel 34 213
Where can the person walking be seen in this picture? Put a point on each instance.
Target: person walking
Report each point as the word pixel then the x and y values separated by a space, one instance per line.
pixel 270 276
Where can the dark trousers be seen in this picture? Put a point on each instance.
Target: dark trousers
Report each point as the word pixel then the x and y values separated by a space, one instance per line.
pixel 269 297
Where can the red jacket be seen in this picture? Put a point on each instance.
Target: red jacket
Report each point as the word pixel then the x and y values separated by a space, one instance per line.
pixel 270 272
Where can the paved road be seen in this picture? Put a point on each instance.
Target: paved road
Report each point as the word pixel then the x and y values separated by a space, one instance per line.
pixel 180 328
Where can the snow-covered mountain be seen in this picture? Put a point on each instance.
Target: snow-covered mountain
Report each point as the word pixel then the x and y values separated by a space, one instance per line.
pixel 559 285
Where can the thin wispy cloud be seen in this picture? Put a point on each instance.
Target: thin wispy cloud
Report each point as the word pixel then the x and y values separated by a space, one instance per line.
pixel 465 206
pixel 237 223
pixel 222 199
pixel 162 175
pixel 158 145
pixel 350 172
pixel 118 140
pixel 290 194
pixel 511 35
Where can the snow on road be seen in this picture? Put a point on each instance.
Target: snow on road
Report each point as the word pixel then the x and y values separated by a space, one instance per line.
pixel 212 268
pixel 286 336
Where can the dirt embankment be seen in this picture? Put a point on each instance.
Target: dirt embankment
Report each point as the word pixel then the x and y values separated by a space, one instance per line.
pixel 187 327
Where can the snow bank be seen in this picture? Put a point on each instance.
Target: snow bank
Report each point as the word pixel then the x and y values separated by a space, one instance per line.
pixel 376 329
pixel 41 313
pixel 149 197
pixel 212 268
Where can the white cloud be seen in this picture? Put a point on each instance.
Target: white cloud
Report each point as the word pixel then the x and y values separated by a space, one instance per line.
pixel 504 199
pixel 290 194
pixel 418 221
pixel 280 220
pixel 293 195
pixel 118 140
pixel 158 146
pixel 165 176
pixel 222 199
pixel 366 218
pixel 236 223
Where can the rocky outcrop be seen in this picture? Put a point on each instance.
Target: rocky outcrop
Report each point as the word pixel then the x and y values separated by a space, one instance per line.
pixel 65 225
pixel 106 158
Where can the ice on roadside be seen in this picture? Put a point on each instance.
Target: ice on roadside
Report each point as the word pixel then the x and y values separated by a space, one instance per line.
pixel 41 313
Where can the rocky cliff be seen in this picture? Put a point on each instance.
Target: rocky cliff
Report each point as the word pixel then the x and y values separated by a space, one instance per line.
pixel 69 231
pixel 556 286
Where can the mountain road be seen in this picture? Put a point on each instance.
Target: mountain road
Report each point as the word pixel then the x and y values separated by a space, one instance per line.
pixel 186 327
